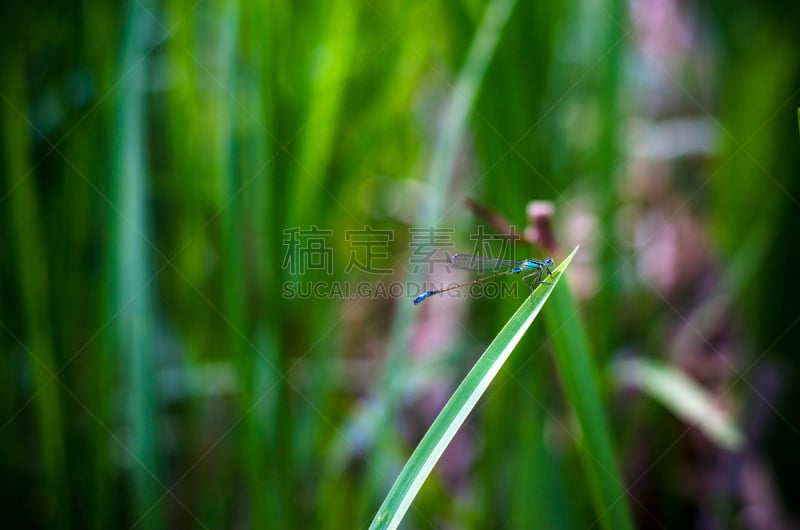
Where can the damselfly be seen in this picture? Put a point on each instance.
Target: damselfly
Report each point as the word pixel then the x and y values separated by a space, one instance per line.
pixel 537 269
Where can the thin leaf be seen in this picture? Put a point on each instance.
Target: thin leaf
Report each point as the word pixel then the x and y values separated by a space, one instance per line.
pixel 680 394
pixel 460 405
pixel 576 367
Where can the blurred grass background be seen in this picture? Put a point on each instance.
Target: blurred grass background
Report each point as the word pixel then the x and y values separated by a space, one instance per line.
pixel 154 156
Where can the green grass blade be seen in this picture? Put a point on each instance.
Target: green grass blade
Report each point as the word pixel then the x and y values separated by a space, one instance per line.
pixel 577 370
pixel 460 405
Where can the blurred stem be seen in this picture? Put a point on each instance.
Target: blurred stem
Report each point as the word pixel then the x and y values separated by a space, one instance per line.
pixel 132 269
pixel 254 356
pixel 331 67
pixel 608 155
pixel 30 256
pixel 267 445
pixel 459 108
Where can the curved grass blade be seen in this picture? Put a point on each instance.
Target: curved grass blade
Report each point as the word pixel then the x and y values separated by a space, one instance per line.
pixel 681 395
pixel 459 406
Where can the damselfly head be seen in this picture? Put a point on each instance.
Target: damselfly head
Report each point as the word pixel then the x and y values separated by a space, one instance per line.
pixel 547 262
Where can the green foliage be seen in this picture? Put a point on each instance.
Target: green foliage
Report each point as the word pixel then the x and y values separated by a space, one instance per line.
pixel 157 160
